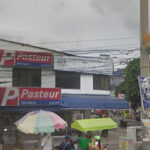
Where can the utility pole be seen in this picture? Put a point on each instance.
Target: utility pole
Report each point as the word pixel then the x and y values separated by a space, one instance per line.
pixel 144 61
pixel 144 66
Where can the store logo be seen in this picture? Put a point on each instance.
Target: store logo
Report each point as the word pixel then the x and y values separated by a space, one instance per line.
pixel 23 58
pixel 29 96
pixel 9 96
pixel 33 59
pixel 7 58
pixel 39 94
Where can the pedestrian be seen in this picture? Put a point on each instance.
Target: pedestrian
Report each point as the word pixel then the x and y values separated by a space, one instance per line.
pixel 83 142
pixel 74 143
pixel 65 143
pixel 98 145
pixel 36 146
pixel 18 143
pixel 90 141
pixel 46 143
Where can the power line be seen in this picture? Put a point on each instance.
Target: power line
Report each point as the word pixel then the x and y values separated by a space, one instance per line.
pixel 87 40
pixel 92 48
pixel 94 51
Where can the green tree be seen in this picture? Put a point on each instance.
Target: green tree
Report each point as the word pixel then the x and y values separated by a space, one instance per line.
pixel 130 84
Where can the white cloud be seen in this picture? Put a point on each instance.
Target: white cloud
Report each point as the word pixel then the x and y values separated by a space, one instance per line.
pixel 60 20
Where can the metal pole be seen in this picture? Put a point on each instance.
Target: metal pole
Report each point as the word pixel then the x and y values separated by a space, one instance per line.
pixel 144 66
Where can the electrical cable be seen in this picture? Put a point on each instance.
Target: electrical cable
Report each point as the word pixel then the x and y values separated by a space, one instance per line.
pixel 87 40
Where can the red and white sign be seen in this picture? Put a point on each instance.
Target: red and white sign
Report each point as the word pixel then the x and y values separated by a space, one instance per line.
pixel 9 96
pixel 39 94
pixel 32 57
pixel 7 58
pixel 29 96
pixel 23 58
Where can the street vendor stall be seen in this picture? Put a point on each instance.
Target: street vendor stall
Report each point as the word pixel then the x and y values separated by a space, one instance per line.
pixel 41 122
pixel 94 124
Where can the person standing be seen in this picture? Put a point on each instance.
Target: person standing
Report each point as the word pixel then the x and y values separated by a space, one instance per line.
pixel 46 143
pixel 65 144
pixel 83 142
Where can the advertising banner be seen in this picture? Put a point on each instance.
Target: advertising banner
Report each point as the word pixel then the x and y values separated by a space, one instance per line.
pixel 23 58
pixel 30 96
pixel 144 85
pixel 146 123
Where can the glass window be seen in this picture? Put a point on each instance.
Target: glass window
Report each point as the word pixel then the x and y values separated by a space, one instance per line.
pixel 101 82
pixel 26 77
pixel 67 80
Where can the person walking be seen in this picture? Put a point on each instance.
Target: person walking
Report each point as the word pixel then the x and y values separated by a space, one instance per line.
pixel 46 143
pixel 83 142
pixel 65 144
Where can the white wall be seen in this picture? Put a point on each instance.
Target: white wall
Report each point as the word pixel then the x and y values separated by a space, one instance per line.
pixel 5 76
pixel 86 87
pixel 47 79
pixel 86 83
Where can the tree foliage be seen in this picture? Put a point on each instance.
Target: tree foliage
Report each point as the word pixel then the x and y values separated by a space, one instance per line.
pixel 130 86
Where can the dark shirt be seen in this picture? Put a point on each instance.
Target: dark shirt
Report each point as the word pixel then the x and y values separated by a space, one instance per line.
pixel 62 145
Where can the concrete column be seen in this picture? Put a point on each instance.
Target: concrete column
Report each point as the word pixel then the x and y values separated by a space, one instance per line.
pixel 145 66
pixel 144 63
pixel 47 79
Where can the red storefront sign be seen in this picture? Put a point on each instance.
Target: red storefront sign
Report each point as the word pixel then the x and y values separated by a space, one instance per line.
pixel 9 96
pixel 29 96
pixel 23 58
pixel 7 58
pixel 33 59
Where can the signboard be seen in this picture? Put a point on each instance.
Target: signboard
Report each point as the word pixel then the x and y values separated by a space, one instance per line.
pixel 9 96
pixel 144 85
pixel 33 59
pixel 23 58
pixel 29 96
pixel 146 123
pixel 98 65
pixel 39 96
pixel 125 143
pixel 121 96
pixel 7 58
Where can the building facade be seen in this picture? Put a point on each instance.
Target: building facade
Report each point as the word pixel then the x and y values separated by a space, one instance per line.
pixel 27 66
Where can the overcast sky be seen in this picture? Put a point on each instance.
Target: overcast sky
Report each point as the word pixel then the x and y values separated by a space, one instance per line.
pixel 71 24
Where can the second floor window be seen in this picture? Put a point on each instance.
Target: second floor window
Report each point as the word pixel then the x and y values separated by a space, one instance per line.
pixel 67 80
pixel 26 77
pixel 101 82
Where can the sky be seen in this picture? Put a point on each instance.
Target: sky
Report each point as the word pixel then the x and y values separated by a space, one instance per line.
pixel 72 25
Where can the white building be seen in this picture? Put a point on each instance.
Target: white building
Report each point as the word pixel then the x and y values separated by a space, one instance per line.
pixel 27 66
